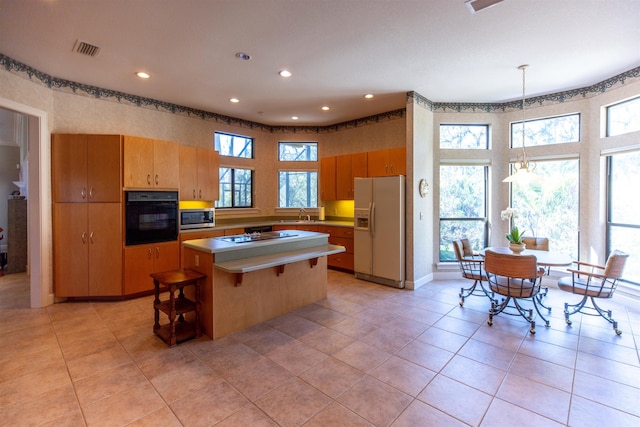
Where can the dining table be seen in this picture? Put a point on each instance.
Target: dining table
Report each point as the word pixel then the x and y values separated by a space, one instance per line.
pixel 545 258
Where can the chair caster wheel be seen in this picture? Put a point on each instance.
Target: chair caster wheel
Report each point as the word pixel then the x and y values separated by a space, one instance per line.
pixel 461 303
pixel 618 331
pixel 532 331
pixel 568 322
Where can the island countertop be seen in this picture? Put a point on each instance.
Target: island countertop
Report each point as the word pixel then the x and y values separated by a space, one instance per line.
pixel 230 249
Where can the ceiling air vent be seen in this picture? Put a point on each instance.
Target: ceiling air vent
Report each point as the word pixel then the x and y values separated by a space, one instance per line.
pixel 476 6
pixel 86 48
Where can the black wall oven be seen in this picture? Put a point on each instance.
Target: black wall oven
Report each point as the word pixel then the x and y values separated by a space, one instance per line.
pixel 151 217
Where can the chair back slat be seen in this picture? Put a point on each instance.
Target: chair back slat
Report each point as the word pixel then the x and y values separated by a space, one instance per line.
pixel 508 265
pixel 537 243
pixel 615 264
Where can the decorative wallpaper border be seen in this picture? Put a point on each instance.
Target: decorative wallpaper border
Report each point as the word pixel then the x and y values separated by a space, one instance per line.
pixel 54 83
pixel 554 98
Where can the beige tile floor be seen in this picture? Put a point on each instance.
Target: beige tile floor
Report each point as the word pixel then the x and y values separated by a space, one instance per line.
pixel 367 355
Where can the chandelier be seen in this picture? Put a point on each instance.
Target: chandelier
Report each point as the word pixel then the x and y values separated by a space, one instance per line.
pixel 523 168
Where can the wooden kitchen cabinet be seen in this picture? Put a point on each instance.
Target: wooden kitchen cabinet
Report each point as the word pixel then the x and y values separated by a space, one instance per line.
pixel 151 163
pixel 349 167
pixel 87 249
pixel 387 162
pixel 86 168
pixel 328 178
pixel 342 236
pixel 199 174
pixel 140 261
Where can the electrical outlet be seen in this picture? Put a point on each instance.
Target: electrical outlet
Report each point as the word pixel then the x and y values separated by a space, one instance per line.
pixel 197 261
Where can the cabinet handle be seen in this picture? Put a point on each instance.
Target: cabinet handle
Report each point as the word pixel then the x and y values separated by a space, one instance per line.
pixel 91 193
pixel 149 253
pixel 83 234
pixel 91 237
pixel 157 252
pixel 83 192
pixel 194 193
pixel 148 179
pixel 157 179
pixel 200 194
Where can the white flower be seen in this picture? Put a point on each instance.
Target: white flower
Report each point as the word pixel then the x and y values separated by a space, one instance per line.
pixel 509 213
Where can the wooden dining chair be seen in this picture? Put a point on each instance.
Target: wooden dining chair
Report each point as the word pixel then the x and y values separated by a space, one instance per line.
pixel 595 282
pixel 471 268
pixel 517 278
pixel 539 244
pixel 536 243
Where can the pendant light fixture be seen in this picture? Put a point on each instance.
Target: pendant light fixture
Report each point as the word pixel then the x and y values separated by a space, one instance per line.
pixel 523 168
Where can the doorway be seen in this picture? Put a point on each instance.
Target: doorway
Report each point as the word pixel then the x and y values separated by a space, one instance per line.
pixel 38 173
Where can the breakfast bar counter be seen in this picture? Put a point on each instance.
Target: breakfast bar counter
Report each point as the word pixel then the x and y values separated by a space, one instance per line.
pixel 255 277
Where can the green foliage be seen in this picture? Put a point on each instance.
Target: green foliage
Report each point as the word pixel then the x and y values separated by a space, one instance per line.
pixel 514 236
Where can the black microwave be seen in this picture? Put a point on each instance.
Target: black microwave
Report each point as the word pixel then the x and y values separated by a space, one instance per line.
pixel 151 217
pixel 197 218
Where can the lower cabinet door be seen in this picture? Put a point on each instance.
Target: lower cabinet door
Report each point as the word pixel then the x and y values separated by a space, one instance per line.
pixel 70 250
pixel 138 265
pixel 105 249
pixel 142 260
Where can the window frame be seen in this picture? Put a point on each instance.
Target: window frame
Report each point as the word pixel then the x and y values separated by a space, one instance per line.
pixel 483 220
pixel 232 171
pixel 610 225
pixel 308 143
pixel 513 131
pixel 608 110
pixel 308 190
pixel 216 145
pixel 486 126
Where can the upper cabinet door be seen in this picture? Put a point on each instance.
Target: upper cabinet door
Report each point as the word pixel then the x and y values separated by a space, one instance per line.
pixel 166 157
pixel 69 168
pixel 104 162
pixel 86 168
pixel 138 162
pixel 208 174
pixel 344 180
pixel 188 173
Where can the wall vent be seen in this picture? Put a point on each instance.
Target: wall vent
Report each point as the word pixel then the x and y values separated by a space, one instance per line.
pixel 86 48
pixel 476 6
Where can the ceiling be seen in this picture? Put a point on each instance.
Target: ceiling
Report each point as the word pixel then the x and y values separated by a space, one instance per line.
pixel 337 50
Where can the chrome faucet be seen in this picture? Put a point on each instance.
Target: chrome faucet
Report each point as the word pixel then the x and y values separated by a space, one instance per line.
pixel 300 214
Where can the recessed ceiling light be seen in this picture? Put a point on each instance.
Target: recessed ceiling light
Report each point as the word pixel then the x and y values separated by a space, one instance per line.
pixel 325 108
pixel 243 56
pixel 285 73
pixel 294 117
pixel 142 75
pixel 369 96
pixel 234 100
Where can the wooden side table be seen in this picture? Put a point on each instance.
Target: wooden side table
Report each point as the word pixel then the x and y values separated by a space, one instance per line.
pixel 177 330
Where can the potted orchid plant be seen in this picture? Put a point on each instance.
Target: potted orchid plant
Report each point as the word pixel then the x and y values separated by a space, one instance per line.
pixel 515 235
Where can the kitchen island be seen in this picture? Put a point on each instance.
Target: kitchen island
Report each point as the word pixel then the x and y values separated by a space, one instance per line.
pixel 255 277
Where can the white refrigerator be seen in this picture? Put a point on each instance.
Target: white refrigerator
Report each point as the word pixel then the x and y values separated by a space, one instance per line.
pixel 379 227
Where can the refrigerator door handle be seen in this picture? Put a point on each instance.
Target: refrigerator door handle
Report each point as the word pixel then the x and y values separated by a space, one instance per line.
pixel 372 217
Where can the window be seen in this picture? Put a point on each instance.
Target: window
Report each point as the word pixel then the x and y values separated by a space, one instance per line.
pixel 623 117
pixel 551 130
pixel 463 207
pixel 298 151
pixel 549 206
pixel 233 145
pixel 236 188
pixel 623 204
pixel 464 137
pixel 298 189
